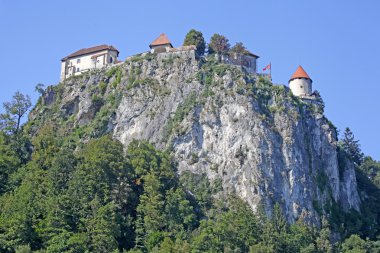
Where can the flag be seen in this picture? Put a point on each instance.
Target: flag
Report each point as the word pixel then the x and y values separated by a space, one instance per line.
pixel 267 67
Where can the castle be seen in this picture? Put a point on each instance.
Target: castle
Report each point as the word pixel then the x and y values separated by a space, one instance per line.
pixel 101 56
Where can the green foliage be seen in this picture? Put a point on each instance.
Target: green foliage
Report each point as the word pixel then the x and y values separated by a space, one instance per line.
pixel 238 48
pixel 194 37
pixel 10 120
pixel 200 187
pixel 40 88
pixel 141 82
pixel 182 111
pixel 372 169
pixel 9 162
pixel 163 209
pixel 323 242
pixel 218 44
pixel 352 146
pixel 78 190
pixel 117 73
pixel 322 180
pixel 354 244
pixel 102 87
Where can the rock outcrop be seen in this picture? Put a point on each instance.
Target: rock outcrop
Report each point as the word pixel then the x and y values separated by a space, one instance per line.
pixel 264 145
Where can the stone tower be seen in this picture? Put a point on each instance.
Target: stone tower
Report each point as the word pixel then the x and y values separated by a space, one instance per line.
pixel 300 83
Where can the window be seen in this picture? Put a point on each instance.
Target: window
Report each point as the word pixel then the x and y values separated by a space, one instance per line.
pixel 78 69
pixel 111 59
pixel 78 60
pixel 301 86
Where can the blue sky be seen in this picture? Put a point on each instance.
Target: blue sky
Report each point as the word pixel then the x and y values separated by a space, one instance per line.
pixel 337 43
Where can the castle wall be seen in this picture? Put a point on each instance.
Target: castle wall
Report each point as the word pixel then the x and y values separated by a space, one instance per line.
pixel 301 86
pixel 246 61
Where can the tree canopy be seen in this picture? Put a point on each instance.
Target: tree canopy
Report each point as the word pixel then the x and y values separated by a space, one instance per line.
pixel 194 37
pixel 218 44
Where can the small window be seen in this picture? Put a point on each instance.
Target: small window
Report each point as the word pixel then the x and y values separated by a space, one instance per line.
pixel 301 86
pixel 78 60
pixel 78 69
pixel 111 59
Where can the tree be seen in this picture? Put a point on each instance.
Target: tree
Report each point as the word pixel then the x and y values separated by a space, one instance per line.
pixel 14 111
pixel 352 147
pixel 323 241
pixel 8 161
pixel 239 48
pixel 40 88
pixel 218 44
pixel 194 37
pixel 354 244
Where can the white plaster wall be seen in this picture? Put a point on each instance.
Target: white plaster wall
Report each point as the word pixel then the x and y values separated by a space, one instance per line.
pixel 86 62
pixel 301 86
pixel 63 70
pixel 112 54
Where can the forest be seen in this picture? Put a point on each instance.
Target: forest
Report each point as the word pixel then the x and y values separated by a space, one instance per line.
pixel 61 194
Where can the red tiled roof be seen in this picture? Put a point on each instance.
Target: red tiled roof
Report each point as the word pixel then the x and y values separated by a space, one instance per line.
pixel 300 73
pixel 161 40
pixel 90 50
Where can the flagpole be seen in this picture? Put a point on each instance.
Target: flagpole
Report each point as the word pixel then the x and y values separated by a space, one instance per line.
pixel 270 71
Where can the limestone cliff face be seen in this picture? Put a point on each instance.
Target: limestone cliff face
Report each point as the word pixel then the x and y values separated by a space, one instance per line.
pixel 259 141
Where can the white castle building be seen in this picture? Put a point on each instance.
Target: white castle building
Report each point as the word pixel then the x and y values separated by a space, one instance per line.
pixel 301 84
pixel 88 58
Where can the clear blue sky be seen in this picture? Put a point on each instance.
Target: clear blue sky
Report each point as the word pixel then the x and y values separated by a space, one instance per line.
pixel 337 43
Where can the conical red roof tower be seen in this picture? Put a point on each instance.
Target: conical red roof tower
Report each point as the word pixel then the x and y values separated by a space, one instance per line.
pixel 300 73
pixel 161 40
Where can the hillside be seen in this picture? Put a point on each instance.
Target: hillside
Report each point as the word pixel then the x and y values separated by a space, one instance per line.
pixel 222 143
pixel 249 136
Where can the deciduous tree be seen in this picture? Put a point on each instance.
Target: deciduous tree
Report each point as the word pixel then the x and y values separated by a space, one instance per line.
pixel 10 121
pixel 194 37
pixel 218 44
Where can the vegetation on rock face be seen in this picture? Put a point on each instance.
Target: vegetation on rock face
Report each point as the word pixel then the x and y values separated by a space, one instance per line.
pixel 194 37
pixel 72 188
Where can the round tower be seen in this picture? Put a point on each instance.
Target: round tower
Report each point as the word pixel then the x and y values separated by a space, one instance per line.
pixel 300 83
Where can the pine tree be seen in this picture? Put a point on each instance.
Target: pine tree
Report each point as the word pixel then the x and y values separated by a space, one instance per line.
pixel 323 241
pixel 352 146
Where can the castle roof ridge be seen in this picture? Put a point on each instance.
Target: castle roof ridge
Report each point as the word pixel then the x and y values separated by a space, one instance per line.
pixel 90 50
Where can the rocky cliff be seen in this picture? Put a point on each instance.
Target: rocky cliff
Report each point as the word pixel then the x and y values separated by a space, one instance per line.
pixel 250 137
